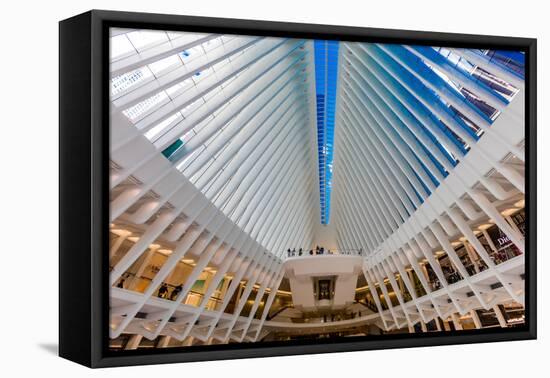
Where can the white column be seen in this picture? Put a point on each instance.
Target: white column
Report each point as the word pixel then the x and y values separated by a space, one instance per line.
pixel 456 321
pixel 500 317
pixel 489 240
pixel 475 318
pixel 239 294
pixel 144 264
pixel 472 255
pixel 224 288
pixel 425 271
pixel 133 342
pixel 490 210
pixel 118 243
pixel 513 224
pixel 188 341
pixel 163 342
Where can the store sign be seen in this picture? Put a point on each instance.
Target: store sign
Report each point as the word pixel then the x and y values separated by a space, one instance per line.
pixel 503 241
pixel 500 239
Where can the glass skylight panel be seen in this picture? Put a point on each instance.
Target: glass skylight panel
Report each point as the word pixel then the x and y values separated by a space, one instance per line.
pixel 455 139
pixel 142 108
pixel 188 109
pixel 477 130
pixel 456 59
pixel 144 39
pixel 442 75
pixel 326 75
pixel 202 74
pixel 184 55
pixel 192 53
pixel 156 130
pixel 227 38
pixel 160 67
pixel 128 80
pixel 220 65
pixel 120 47
pixel 465 65
pixel 513 60
pixel 443 51
pixel 453 58
pixel 179 88
pixel 214 92
pixel 503 88
pixel 486 110
pixel 468 98
pixel 198 76
pixel 175 35
pixel 498 85
pixel 231 79
pixel 212 44
pixel 137 112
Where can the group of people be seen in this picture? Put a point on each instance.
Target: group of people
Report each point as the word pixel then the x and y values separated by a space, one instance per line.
pixel 322 251
pixel 164 292
pixel 317 251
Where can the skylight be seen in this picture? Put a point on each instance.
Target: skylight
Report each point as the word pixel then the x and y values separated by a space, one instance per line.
pixel 326 76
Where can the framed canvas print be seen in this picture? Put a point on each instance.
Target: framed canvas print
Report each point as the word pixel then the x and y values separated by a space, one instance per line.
pixel 233 188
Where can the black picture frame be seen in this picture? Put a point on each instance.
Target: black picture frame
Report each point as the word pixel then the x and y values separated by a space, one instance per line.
pixel 84 197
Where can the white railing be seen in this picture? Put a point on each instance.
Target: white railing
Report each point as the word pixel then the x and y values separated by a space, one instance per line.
pixel 303 252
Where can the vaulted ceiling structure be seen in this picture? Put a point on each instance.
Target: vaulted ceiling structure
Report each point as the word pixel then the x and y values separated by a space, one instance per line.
pixel 226 151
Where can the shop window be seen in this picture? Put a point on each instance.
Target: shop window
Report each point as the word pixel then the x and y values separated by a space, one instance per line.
pixel 449 270
pixel 420 291
pixel 432 278
pixel 519 220
pixel 431 325
pixel 505 249
pixel 462 254
pixel 324 290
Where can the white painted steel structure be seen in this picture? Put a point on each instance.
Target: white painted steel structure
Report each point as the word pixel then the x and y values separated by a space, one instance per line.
pixel 388 204
pixel 213 159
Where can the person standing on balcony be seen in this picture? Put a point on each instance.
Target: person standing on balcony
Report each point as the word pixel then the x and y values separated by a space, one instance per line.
pixel 176 292
pixel 163 291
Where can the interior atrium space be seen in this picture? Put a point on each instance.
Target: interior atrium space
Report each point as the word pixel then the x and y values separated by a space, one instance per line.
pixel 276 189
